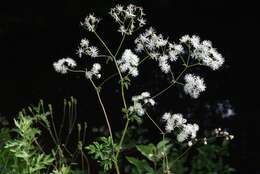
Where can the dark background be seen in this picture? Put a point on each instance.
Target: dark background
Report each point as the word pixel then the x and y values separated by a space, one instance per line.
pixel 35 34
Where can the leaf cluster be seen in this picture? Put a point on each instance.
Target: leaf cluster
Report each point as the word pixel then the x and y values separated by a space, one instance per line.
pixel 102 150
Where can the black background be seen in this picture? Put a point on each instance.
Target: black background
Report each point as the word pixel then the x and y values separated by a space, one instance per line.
pixel 35 34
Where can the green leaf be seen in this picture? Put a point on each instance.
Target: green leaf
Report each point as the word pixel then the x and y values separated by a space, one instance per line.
pixel 147 150
pixel 141 165
pixel 162 143
pixel 102 151
pixel 134 117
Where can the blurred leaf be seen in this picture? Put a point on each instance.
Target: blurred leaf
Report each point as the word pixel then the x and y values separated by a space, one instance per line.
pixel 147 150
pixel 142 166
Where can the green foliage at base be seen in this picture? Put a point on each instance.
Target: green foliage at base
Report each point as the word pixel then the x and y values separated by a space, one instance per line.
pixel 21 152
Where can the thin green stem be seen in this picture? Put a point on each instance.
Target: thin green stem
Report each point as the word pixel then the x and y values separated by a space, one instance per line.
pixel 179 83
pixel 53 125
pixel 161 92
pixel 98 95
pixel 193 65
pixel 183 61
pixel 155 123
pixel 74 112
pixel 107 79
pixel 86 158
pixel 84 132
pixel 50 132
pixel 118 70
pixel 123 98
pixel 167 163
pixel 163 156
pixel 39 146
pixel 188 56
pixel 172 83
pixel 70 116
pixel 122 138
pixel 108 50
pixel 103 109
pixel 67 150
pixel 176 80
pixel 117 168
pixel 122 93
pixel 179 157
pixel 179 76
pixel 45 124
pixel 102 56
pixel 144 59
pixel 120 45
pixel 103 43
pixel 82 161
pixel 126 125
pixel 63 117
pixel 76 71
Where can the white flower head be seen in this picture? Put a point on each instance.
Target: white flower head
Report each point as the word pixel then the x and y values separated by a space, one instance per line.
pixel 139 103
pixel 96 68
pixel 84 43
pixel 80 52
pixel 203 51
pixel 173 121
pixel 145 94
pixel 94 71
pixel 93 51
pixel 175 51
pixel 190 143
pixel 119 8
pixel 142 22
pixel 185 38
pixel 188 131
pixel 129 62
pixel 194 85
pixel 86 49
pixel 129 12
pixel 184 129
pixel 62 65
pixel 166 116
pixel 195 41
pixel 158 48
pixel 127 18
pixel 150 40
pixel 90 22
pixel 122 29
pixel 163 64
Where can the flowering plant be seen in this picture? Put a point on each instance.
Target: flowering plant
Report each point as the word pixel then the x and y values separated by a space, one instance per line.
pixel 186 53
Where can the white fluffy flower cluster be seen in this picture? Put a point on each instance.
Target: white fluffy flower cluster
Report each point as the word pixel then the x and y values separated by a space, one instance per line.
pixel 140 101
pixel 129 62
pixel 150 40
pixel 63 65
pixel 188 130
pixel 194 85
pixel 94 71
pixel 173 121
pixel 177 121
pixel 204 51
pixel 158 48
pixel 221 133
pixel 84 48
pixel 129 18
pixel 90 22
